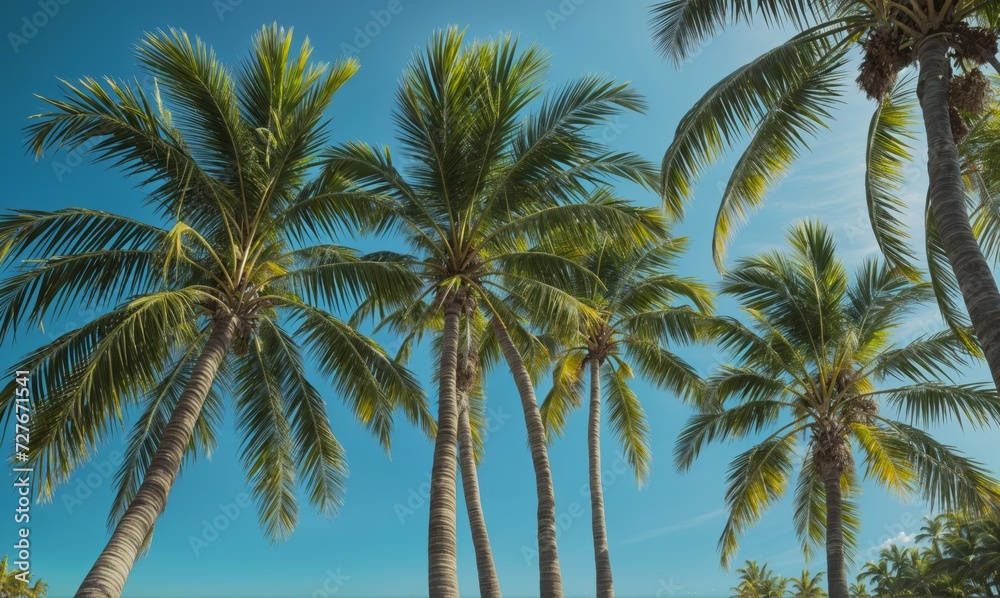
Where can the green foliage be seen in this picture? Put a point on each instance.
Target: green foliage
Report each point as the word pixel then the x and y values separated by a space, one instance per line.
pixel 13 587
pixel 224 157
pixel 637 308
pixel 820 357
pixel 956 555
pixel 769 110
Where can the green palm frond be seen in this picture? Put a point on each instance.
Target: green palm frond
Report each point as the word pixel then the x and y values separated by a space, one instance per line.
pixel 800 112
pixel 85 378
pixel 755 481
pixel 730 109
pixel 566 394
pixel 886 156
pixel 144 437
pixel 319 456
pixel 369 380
pixel 680 27
pixel 947 480
pixel 627 420
pixel 268 451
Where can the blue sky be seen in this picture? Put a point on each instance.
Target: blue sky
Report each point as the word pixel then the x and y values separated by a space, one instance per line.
pixel 662 538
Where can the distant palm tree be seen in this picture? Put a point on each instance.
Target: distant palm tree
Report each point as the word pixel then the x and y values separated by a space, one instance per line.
pixel 15 583
pixel 813 351
pixel 807 586
pixel 203 301
pixel 859 590
pixel 634 299
pixel 484 181
pixel 934 530
pixel 756 581
pixel 786 96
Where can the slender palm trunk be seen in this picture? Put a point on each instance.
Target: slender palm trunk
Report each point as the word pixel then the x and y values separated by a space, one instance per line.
pixel 947 201
pixel 550 579
pixel 836 571
pixel 442 557
pixel 489 583
pixel 602 560
pixel 108 575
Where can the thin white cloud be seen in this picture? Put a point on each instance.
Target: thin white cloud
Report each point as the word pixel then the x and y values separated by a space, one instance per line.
pixel 902 538
pixel 664 531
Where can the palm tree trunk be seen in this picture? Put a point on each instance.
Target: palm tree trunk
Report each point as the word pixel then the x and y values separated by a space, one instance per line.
pixel 947 201
pixel 550 579
pixel 836 571
pixel 442 557
pixel 108 575
pixel 489 583
pixel 602 560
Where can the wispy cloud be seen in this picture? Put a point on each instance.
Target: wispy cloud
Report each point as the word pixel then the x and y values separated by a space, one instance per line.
pixel 667 530
pixel 901 538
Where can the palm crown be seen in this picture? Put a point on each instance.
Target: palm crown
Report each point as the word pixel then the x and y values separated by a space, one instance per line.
pixel 634 316
pixel 816 361
pixel 788 95
pixel 223 158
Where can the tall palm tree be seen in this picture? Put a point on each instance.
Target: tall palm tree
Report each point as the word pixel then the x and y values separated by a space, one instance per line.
pixel 201 301
pixel 634 301
pixel 485 180
pixel 814 355
pixel 15 583
pixel 807 585
pixel 786 96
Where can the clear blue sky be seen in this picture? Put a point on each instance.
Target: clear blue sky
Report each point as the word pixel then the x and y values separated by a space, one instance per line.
pixel 662 538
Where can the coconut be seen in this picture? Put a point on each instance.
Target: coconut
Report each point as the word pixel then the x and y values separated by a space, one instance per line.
pixel 970 92
pixel 883 59
pixel 830 447
pixel 968 43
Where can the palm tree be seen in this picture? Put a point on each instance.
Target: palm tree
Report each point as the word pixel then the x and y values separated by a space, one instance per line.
pixel 859 590
pixel 813 353
pixel 756 581
pixel 934 530
pixel 786 96
pixel 14 583
pixel 807 585
pixel 203 303
pixel 484 181
pixel 634 302
pixel 471 399
pixel 879 575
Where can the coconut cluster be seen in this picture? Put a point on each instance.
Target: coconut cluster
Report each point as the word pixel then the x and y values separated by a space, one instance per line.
pixel 467 372
pixel 831 451
pixel 885 54
pixel 863 411
pixel 970 92
pixel 969 43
